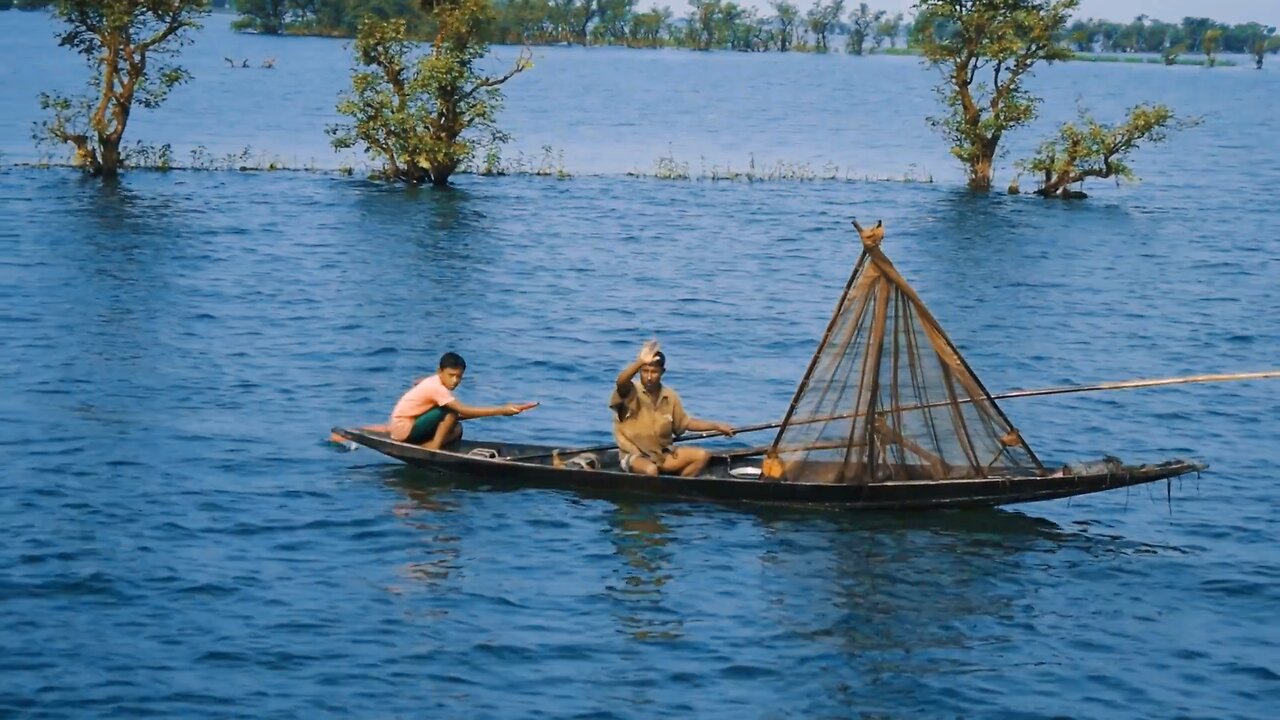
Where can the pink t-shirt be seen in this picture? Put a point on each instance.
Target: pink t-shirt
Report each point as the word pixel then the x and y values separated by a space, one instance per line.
pixel 426 395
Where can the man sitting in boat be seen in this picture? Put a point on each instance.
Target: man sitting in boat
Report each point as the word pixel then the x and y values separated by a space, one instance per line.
pixel 429 415
pixel 648 415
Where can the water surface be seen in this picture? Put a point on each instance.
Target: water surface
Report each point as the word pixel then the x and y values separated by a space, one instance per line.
pixel 173 347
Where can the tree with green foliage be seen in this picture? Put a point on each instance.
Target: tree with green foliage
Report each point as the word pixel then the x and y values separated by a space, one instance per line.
pixel 577 16
pixel 647 27
pixel 740 25
pixel 421 114
pixel 1209 44
pixel 887 29
pixel 1079 35
pixel 1263 41
pixel 861 20
pixel 127 45
pixel 822 16
pixel 1135 34
pixel 6 5
pixel 317 17
pixel 787 15
pixel 613 25
pixel 264 16
pixel 984 49
pixel 1193 29
pixel 701 26
pixel 1092 149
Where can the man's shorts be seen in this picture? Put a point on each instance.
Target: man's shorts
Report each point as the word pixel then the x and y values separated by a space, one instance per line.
pixel 625 459
pixel 424 428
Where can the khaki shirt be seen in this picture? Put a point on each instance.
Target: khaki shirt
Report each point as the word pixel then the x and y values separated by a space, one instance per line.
pixel 645 426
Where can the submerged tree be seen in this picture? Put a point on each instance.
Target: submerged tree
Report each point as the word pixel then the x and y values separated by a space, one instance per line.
pixel 1209 44
pixel 787 15
pixel 1263 41
pixel 984 49
pixel 421 114
pixel 861 21
pixel 264 16
pixel 821 18
pixel 1092 149
pixel 127 44
pixel 887 29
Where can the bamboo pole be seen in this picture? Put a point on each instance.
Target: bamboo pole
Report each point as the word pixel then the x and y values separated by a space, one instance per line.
pixel 1063 390
pixel 1133 384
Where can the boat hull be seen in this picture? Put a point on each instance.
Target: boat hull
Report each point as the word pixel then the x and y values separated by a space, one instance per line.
pixel 516 465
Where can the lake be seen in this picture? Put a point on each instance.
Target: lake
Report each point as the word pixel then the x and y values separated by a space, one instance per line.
pixel 181 542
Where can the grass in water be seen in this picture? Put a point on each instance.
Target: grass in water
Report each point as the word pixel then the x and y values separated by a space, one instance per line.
pixel 1145 59
pixel 548 163
pixel 668 167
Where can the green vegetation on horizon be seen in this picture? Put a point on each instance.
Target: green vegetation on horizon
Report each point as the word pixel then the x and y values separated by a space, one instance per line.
pixel 721 24
pixel 726 25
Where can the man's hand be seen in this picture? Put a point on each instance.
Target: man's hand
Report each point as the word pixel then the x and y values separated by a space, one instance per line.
pixel 725 430
pixel 648 352
pixel 517 408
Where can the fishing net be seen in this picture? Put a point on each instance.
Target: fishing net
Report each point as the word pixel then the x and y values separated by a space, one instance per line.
pixel 888 397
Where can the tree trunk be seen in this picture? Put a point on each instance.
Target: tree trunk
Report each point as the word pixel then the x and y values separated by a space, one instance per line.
pixel 109 161
pixel 1060 187
pixel 981 169
pixel 441 171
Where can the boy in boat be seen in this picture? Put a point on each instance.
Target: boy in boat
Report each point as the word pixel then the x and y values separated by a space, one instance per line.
pixel 647 416
pixel 429 415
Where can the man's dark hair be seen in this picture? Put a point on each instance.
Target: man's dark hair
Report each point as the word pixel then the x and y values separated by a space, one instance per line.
pixel 660 360
pixel 451 361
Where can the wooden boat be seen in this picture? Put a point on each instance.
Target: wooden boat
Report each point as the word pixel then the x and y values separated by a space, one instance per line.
pixel 888 415
pixel 735 477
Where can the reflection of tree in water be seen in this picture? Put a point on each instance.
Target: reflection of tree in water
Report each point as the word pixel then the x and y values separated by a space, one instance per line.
pixel 420 510
pixel 446 225
pixel 437 249
pixel 640 538
pixel 112 307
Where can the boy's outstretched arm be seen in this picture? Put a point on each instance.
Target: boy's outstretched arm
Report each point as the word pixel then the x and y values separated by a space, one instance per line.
pixel 467 412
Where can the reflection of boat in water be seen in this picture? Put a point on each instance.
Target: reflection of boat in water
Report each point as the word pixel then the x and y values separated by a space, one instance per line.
pixel 888 415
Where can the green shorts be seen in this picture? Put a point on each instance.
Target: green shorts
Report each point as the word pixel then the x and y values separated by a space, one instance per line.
pixel 424 428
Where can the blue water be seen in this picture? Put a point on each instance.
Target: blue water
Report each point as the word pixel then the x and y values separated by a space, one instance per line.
pixel 179 542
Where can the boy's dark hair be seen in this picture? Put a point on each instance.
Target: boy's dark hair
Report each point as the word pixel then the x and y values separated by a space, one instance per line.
pixel 660 360
pixel 452 360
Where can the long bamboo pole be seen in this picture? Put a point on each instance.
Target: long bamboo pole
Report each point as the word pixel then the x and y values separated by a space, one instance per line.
pixel 1132 384
pixel 1063 390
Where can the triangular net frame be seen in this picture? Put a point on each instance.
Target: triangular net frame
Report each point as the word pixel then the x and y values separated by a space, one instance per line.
pixel 887 397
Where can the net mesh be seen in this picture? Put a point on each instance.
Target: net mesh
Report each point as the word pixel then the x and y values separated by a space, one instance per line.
pixel 888 397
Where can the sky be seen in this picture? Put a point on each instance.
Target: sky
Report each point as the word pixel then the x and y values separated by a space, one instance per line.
pixel 1227 11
